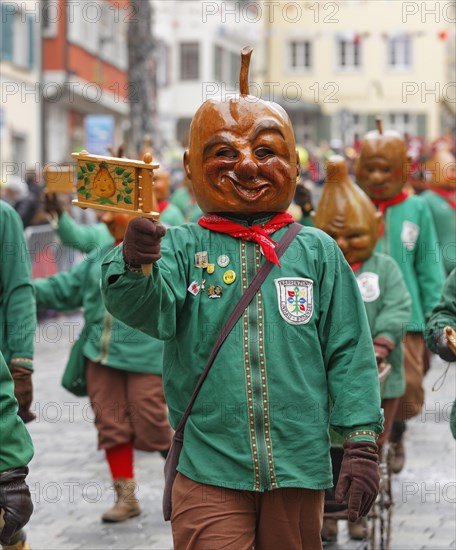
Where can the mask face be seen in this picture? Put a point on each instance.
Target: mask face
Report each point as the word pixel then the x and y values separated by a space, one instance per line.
pixel 242 157
pixel 116 223
pixel 161 184
pixel 381 170
pixel 441 170
pixel 355 233
pixel 346 214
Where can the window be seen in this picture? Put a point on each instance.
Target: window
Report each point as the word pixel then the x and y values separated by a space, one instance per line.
pixel 300 54
pixel 50 15
pixel 348 126
pixel 189 61
pixel 7 31
pixel 163 65
pixel 235 66
pixel 399 52
pixel 349 53
pixel 17 37
pixel 19 147
pixel 21 49
pixel 404 123
pixel 218 63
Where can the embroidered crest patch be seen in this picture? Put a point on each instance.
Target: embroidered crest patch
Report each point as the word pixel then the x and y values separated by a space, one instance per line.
pixel 295 297
pixel 368 286
pixel 409 234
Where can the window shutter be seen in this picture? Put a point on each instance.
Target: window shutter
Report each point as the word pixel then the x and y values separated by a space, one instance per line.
pixel 31 42
pixel 7 31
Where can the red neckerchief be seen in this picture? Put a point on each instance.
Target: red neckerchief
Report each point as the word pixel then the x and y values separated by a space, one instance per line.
pixel 252 233
pixel 383 204
pixel 162 206
pixel 448 194
pixel 118 241
pixel 355 266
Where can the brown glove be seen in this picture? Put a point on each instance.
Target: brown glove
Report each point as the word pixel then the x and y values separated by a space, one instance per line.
pixel 382 347
pixel 450 334
pixel 359 478
pixel 141 244
pixel 23 387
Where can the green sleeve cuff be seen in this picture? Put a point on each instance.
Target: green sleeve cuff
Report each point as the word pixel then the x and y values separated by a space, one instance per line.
pixel 367 438
pixel 22 362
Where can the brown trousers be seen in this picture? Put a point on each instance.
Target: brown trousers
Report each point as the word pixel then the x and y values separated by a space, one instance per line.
pixel 389 407
pixel 411 402
pixel 128 406
pixel 206 517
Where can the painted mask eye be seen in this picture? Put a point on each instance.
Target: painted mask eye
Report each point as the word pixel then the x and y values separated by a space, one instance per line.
pixel 226 153
pixel 264 152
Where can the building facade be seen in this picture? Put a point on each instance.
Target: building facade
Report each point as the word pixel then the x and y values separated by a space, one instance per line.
pixel 198 58
pixel 20 115
pixel 360 58
pixel 84 83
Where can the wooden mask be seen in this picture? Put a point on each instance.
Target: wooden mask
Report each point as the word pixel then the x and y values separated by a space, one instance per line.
pixel 242 154
pixel 347 214
pixel 381 169
pixel 441 169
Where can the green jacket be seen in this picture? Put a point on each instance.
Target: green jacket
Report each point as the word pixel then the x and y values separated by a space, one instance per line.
pixel 17 300
pixel 107 340
pixel 186 204
pixel 16 449
pixel 97 235
pixel 445 224
pixel 83 237
pixel 261 418
pixel 388 306
pixel 171 216
pixel 444 314
pixel 410 238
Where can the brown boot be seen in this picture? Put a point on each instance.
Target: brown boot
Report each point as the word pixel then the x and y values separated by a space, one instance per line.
pixel 18 541
pixel 329 530
pixel 18 546
pixel 357 530
pixel 398 459
pixel 126 505
pixel 397 441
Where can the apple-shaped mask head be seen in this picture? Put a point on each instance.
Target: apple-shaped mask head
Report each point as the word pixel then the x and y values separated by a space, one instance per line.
pixel 242 154
pixel 347 214
pixel 381 169
pixel 441 169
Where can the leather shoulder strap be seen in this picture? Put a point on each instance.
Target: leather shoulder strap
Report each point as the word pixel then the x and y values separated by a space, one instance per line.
pixel 246 298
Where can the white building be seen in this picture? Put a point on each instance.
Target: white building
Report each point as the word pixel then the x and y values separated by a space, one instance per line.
pixel 198 54
pixel 20 139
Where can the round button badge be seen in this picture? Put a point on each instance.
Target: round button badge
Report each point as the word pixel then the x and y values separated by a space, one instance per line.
pixel 229 277
pixel 223 260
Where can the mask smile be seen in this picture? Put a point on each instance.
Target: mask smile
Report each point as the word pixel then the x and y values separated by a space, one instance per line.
pixel 250 191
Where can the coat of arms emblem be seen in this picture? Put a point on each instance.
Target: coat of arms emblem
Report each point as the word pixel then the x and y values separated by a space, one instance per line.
pixel 295 297
pixel 369 286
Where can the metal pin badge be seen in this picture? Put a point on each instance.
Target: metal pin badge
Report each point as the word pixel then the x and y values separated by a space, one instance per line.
pixel 223 260
pixel 229 277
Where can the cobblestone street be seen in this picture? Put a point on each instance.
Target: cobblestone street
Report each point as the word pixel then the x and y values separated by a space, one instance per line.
pixel 71 487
